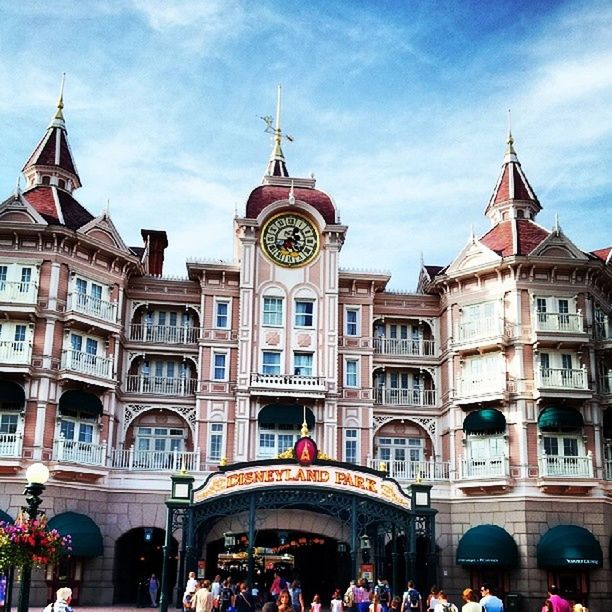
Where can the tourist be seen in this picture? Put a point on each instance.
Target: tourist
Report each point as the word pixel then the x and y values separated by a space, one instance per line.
pixel 297 598
pixel 192 583
pixel 242 600
pixel 547 607
pixel 432 598
pixel 558 603
pixel 362 596
pixel 315 606
pixel 375 606
pixel 278 584
pixel 63 597
pixel 384 594
pixel 203 599
pixel 490 602
pixel 336 604
pixel 215 589
pixel 284 602
pixel 188 596
pixel 349 597
pixel 470 605
pixel 226 596
pixel 443 604
pixel 412 600
pixel 396 604
pixel 153 588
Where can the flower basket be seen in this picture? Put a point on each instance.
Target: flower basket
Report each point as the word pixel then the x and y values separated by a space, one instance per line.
pixel 28 543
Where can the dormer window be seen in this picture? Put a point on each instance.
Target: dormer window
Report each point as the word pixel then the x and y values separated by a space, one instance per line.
pixel 46 180
pixel 520 214
pixel 61 183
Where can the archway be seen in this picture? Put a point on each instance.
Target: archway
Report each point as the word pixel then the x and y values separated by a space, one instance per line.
pixel 138 554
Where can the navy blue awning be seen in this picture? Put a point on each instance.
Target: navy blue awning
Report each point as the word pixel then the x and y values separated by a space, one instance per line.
pixel 75 400
pixel 559 417
pixel 569 546
pixel 487 420
pixel 487 545
pixel 85 534
pixel 286 414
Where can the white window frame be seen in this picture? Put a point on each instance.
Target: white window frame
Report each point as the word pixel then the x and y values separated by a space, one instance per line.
pixel 216 431
pixel 350 437
pixel 310 368
pixel 264 365
pixel 275 432
pixel 79 419
pixel 227 302
pixel 213 365
pixel 347 361
pixel 349 324
pixel 297 314
pixel 267 315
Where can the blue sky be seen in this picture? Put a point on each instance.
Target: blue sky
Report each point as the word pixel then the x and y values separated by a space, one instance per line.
pixel 399 108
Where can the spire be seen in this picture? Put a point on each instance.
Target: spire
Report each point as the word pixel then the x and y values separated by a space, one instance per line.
pixel 59 114
pixel 276 164
pixel 512 197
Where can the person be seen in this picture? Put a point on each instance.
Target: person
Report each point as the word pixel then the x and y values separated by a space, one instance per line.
pixel 349 596
pixel 443 604
pixel 375 606
pixel 558 603
pixel 547 607
pixel 269 606
pixel 396 604
pixel 153 588
pixel 470 605
pixel 384 594
pixel 578 607
pixel 215 589
pixel 192 583
pixel 412 600
pixel 432 598
pixel 297 598
pixel 362 596
pixel 284 602
pixel 315 606
pixel 226 596
pixel 277 586
pixel 188 602
pixel 203 598
pixel 63 597
pixel 336 604
pixel 488 601
pixel 242 599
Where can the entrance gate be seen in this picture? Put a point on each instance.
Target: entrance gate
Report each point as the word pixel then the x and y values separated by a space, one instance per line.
pixel 381 519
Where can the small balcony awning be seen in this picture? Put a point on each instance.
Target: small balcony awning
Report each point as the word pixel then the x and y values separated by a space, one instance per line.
pixel 12 395
pixel 485 421
pixel 287 414
pixel 85 534
pixel 487 546
pixel 557 417
pixel 607 424
pixel 75 400
pixel 569 546
pixel 5 518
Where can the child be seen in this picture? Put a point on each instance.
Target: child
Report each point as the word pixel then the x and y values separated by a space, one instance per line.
pixel 336 604
pixel 315 606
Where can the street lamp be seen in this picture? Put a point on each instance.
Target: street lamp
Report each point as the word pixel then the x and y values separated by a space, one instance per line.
pixel 37 475
pixel 365 548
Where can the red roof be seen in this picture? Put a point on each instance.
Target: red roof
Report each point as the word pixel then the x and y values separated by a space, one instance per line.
pixel 264 195
pixel 42 200
pixel 515 237
pixel 520 189
pixel 44 153
pixel 602 254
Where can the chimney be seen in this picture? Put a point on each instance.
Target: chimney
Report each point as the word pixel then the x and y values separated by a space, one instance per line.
pixel 156 242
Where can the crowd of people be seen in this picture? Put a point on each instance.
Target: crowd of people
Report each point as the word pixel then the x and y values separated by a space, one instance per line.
pixel 360 596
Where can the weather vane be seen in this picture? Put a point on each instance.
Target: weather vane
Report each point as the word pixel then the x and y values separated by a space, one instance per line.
pixel 272 125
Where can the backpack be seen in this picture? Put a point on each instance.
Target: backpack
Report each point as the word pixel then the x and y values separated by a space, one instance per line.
pixel 383 594
pixel 226 594
pixel 413 596
pixel 447 607
pixel 349 597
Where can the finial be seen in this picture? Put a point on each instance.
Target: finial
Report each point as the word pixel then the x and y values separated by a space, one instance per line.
pixel 304 430
pixel 276 164
pixel 235 210
pixel 223 461
pixel 422 260
pixel 557 227
pixel 106 212
pixel 418 480
pixel 510 154
pixel 472 234
pixel 60 103
pixel 291 194
pixel 18 187
pixel 183 469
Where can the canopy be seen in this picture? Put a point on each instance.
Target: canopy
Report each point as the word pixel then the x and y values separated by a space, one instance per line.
pixel 485 421
pixel 12 395
pixel 487 545
pixel 569 546
pixel 287 414
pixel 5 518
pixel 557 417
pixel 80 401
pixel 86 536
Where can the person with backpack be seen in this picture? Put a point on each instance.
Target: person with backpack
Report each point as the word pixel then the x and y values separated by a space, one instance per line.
pixel 62 601
pixel 412 600
pixel 225 597
pixel 444 605
pixel 384 594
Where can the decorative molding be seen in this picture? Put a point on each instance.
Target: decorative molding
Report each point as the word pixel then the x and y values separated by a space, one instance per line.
pixel 131 411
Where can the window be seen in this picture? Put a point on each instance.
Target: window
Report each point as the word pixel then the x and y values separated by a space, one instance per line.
pixel 20 336
pixel 276 438
pixel 350 445
pixel 273 311
pixel 78 427
pixel 155 446
pixel 222 314
pixel 26 279
pixel 350 375
pixel 8 423
pixel 400 449
pixel 302 364
pixel 219 366
pixel 270 362
pixel 3 275
pixel 215 442
pixel 352 322
pixel 304 313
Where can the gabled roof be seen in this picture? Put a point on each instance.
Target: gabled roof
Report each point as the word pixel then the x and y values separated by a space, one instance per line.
pixel 57 207
pixel 514 237
pixel 604 254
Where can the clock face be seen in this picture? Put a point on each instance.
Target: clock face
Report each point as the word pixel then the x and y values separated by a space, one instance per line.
pixel 290 240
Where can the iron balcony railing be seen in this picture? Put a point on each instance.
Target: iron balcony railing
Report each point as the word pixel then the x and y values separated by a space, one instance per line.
pixel 605 384
pixel 291 381
pixel 155 460
pixel 18 292
pixel 93 365
pixel 84 453
pixel 559 322
pixel 413 470
pixel 93 306
pixel 10 445
pixel 160 385
pixel 404 397
pixel 570 467
pixel 490 467
pixel 477 329
pixel 164 334
pixel 603 330
pixel 404 347
pixel 561 378
pixel 15 351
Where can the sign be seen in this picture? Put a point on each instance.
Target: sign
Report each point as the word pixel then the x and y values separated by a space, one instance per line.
pixel 367 571
pixel 201 569
pixel 337 478
pixel 305 450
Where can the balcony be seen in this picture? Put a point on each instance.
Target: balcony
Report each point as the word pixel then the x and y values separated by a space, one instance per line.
pixel 485 469
pixel 558 322
pixel 605 385
pixel 608 469
pixel 479 329
pixel 15 352
pixel 556 466
pixel 83 453
pixel 562 378
pixel 413 470
pixel 401 347
pixel 404 397
pixel 164 334
pixel 16 292
pixel 275 384
pixel 482 388
pixel 92 306
pixel 160 385
pixel 155 461
pixel 10 445
pixel 603 331
pixel 84 363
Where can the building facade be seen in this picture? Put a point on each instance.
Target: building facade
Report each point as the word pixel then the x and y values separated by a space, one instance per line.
pixel 492 382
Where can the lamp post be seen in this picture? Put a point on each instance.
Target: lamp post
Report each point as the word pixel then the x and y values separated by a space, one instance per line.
pixel 180 498
pixel 37 475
